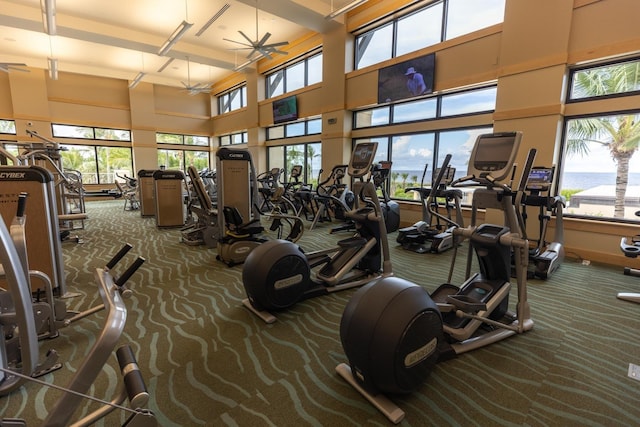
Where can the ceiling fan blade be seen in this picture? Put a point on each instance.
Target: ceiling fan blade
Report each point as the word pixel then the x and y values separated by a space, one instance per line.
pixel 270 45
pixel 264 39
pixel 17 64
pixel 252 43
pixel 237 42
pixel 252 52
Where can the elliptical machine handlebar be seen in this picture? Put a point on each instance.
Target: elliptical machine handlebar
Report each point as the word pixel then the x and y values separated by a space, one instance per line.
pixel 431 200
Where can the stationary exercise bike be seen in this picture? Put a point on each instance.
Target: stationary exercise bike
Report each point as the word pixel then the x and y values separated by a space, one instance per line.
pixel 278 274
pixel 393 332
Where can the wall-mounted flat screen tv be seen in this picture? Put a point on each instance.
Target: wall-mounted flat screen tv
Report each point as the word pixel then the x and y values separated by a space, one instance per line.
pixel 285 109
pixel 407 79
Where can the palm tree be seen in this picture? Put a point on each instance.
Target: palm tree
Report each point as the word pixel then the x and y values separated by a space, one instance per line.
pixel 620 134
pixel 405 176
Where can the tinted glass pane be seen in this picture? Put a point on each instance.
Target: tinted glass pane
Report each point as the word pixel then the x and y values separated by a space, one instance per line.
pixel 170 159
pixel 169 138
pixel 225 140
pixel 469 102
pixel 374 46
pixel 8 126
pixel 606 80
pixel 411 111
pixel 409 154
pixel 81 158
pixel 223 104
pixel 373 117
pixel 314 126
pixel 114 162
pixel 276 157
pixel 275 84
pixel 67 131
pixel 295 129
pixel 113 134
pixel 199 159
pixel 235 100
pixel 196 140
pixel 314 162
pixel 294 76
pixel 419 30
pixel 314 69
pixel 600 169
pixel 236 138
pixel 275 132
pixel 295 155
pixel 465 16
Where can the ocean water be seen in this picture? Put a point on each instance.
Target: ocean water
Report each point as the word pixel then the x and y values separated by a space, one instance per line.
pixel 582 181
pixel 570 180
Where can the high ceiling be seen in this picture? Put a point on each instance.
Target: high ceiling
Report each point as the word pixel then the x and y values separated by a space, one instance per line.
pixel 120 38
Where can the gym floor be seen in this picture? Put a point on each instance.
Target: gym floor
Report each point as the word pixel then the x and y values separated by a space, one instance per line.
pixel 208 361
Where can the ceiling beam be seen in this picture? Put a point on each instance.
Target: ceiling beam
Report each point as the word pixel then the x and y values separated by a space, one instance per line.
pixel 294 12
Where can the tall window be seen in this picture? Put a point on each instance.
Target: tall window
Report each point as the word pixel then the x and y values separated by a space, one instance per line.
pixel 468 102
pixel 287 156
pixel 87 132
pixel 189 154
pixel 233 99
pixel 170 138
pixel 294 76
pixel 600 162
pixel 98 162
pixel 411 153
pixel 438 21
pixel 234 138
pixel 302 127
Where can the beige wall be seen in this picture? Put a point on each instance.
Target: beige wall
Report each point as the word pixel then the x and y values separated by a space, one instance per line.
pixel 528 55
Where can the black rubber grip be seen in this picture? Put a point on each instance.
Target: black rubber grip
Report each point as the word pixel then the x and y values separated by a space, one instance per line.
pixel 133 381
pixel 132 269
pixel 121 253
pixel 22 204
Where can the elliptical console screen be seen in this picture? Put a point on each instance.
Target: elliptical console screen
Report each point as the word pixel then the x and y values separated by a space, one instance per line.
pixel 362 158
pixel 494 154
pixel 539 178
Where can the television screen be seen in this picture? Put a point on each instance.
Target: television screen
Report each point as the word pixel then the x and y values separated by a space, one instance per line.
pixel 406 79
pixel 285 109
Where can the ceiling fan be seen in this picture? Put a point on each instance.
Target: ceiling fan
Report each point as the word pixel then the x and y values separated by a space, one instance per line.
pixel 260 45
pixel 194 89
pixel 6 66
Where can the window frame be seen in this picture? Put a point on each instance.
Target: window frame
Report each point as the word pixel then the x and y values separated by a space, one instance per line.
pixel 272 91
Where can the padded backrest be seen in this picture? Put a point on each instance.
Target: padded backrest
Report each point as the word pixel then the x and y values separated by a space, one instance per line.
pixel 199 188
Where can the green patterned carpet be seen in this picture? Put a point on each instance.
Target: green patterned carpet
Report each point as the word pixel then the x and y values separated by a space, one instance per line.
pixel 208 361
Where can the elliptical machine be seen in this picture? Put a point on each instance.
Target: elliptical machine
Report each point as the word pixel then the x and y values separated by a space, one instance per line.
pixel 545 257
pixel 434 232
pixel 393 332
pixel 333 196
pixel 278 274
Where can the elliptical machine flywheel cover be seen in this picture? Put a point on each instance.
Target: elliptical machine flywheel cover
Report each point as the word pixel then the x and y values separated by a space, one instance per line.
pixel 390 332
pixel 275 275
